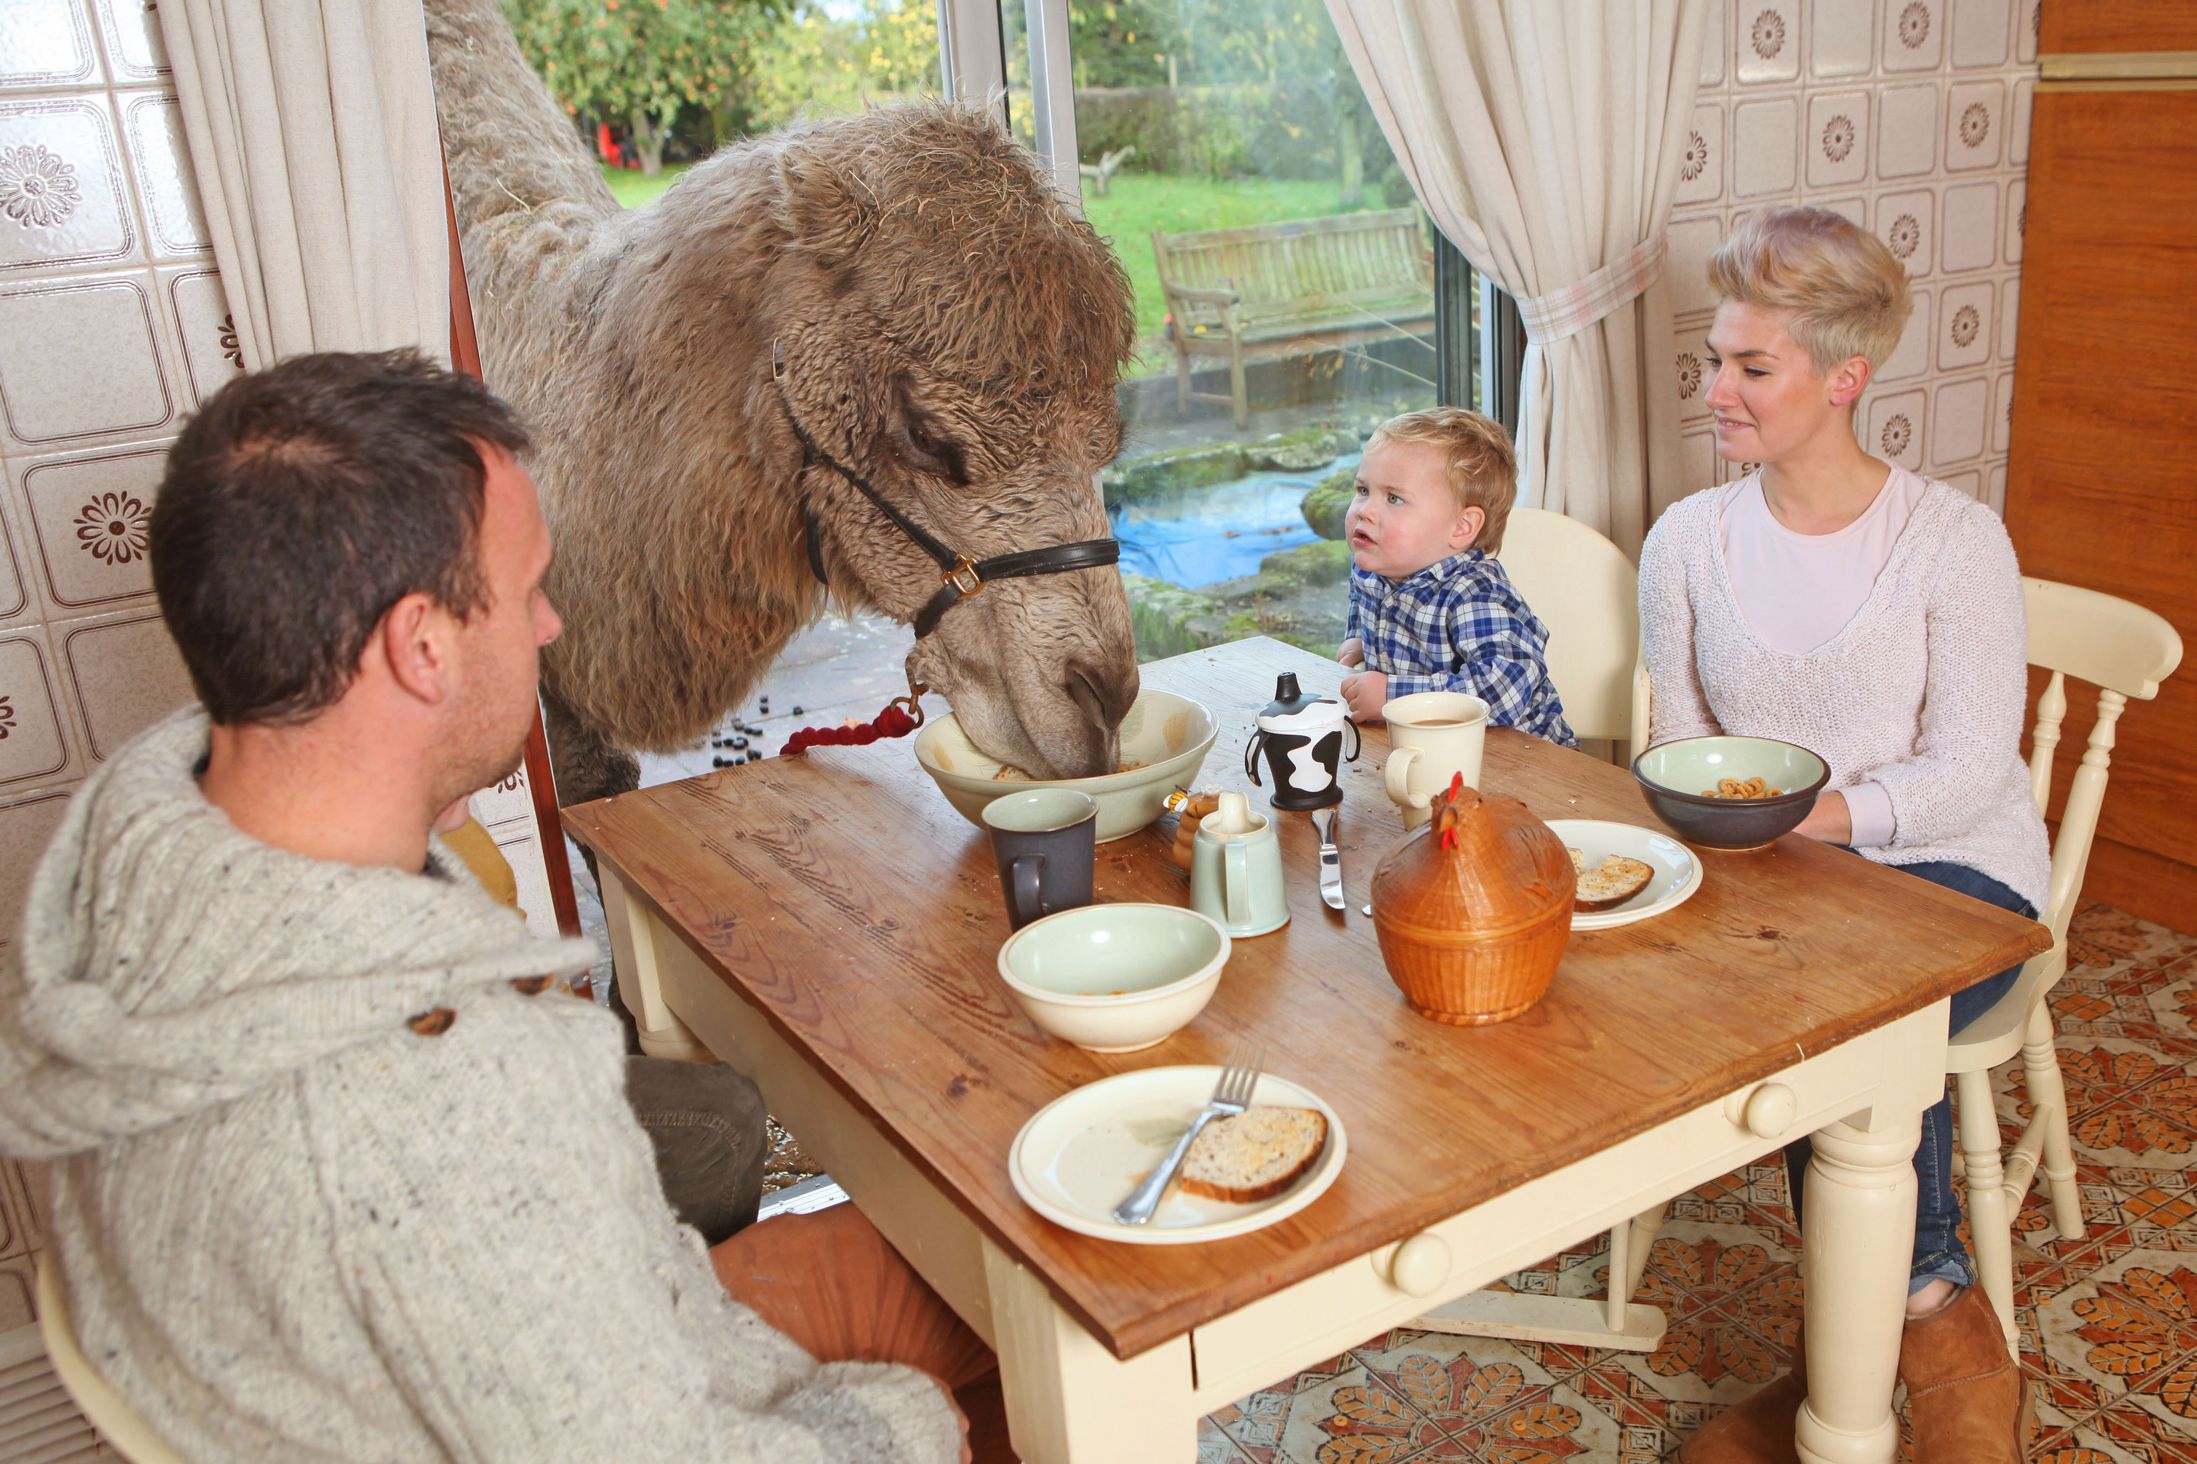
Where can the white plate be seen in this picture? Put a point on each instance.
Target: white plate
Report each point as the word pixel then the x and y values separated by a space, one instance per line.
pixel 1081 1154
pixel 1677 871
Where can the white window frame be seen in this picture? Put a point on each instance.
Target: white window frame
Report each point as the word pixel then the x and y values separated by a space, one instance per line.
pixel 972 62
pixel 972 53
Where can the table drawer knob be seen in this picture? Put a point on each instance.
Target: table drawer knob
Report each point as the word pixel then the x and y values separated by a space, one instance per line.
pixel 1767 1111
pixel 1420 1265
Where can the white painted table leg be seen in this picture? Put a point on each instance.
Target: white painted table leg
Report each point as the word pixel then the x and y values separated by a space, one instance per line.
pixel 1856 1252
pixel 633 936
pixel 1069 1400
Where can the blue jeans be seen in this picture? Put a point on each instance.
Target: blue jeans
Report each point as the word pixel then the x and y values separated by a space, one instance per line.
pixel 1939 1254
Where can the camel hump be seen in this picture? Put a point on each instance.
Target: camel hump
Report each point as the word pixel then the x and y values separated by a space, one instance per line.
pixel 510 147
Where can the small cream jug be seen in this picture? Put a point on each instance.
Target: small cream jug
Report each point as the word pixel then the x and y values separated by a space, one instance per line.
pixel 1433 736
pixel 1236 870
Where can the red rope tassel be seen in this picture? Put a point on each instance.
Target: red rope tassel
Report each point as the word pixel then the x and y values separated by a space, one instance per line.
pixel 891 722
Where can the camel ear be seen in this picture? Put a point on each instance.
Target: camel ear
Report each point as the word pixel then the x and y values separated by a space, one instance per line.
pixel 826 212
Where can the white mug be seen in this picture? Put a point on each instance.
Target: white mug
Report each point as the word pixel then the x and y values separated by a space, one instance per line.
pixel 1433 736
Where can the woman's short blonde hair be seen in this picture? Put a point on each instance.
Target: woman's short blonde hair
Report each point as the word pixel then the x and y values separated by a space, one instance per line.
pixel 1847 294
pixel 1477 461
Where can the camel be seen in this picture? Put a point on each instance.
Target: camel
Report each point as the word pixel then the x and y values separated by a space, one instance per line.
pixel 906 288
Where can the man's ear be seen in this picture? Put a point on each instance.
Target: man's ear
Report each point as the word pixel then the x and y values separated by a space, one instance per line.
pixel 413 641
pixel 1467 530
pixel 1849 379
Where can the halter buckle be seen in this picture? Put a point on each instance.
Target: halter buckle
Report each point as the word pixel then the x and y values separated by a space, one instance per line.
pixel 912 703
pixel 963 576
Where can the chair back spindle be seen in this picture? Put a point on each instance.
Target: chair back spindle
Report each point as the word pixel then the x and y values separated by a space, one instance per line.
pixel 2044 738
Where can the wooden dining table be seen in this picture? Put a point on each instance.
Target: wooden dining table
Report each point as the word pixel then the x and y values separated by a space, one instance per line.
pixel 830 925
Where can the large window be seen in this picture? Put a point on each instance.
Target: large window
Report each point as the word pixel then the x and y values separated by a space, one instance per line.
pixel 1289 291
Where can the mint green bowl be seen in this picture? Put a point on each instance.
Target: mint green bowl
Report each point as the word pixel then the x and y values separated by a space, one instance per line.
pixel 1115 978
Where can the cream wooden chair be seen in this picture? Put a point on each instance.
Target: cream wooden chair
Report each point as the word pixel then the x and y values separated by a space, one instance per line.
pixel 1584 589
pixel 1587 593
pixel 2125 651
pixel 115 1420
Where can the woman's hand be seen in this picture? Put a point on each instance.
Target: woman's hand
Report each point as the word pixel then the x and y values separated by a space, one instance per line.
pixel 1830 820
pixel 1352 652
pixel 1364 694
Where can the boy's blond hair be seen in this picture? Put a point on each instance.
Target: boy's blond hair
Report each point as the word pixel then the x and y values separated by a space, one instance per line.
pixel 1847 293
pixel 1477 461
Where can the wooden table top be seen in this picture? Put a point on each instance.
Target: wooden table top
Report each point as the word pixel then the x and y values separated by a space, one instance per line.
pixel 843 896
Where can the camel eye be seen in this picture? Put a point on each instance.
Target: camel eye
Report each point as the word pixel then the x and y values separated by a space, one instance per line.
pixel 929 452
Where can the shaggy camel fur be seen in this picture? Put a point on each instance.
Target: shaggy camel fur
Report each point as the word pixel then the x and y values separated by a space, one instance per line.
pixel 947 327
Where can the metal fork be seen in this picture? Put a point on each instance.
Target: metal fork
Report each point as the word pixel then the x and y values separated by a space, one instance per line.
pixel 1231 1096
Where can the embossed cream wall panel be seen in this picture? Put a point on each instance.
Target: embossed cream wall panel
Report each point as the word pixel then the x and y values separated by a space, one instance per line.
pixel 126 673
pixel 81 359
pixel 16 602
pixel 36 749
pixel 1910 117
pixel 199 312
pixel 88 513
pixel 44 43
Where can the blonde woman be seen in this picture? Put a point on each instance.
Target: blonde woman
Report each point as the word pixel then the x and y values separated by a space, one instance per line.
pixel 1846 604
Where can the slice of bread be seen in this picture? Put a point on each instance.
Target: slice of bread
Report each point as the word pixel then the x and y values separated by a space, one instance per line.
pixel 1255 1155
pixel 1612 882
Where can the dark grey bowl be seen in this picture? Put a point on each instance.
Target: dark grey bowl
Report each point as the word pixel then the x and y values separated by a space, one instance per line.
pixel 1673 776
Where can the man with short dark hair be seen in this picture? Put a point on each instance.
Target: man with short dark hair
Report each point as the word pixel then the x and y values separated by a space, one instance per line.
pixel 339 1180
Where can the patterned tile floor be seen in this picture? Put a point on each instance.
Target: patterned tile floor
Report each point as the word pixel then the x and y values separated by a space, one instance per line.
pixel 2109 1323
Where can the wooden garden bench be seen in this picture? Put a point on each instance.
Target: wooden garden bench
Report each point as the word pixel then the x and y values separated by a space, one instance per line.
pixel 1270 291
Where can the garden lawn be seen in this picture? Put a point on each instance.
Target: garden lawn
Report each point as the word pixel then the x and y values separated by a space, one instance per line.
pixel 1131 209
pixel 633 188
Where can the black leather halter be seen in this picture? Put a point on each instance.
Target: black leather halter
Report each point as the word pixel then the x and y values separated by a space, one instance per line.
pixel 962 575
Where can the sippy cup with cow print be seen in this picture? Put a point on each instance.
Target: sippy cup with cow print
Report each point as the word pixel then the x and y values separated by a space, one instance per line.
pixel 1301 736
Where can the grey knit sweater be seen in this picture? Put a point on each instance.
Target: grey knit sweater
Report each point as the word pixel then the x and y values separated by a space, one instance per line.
pixel 295 1228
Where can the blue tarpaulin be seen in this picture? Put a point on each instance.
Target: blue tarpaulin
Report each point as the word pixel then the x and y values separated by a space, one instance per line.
pixel 1207 534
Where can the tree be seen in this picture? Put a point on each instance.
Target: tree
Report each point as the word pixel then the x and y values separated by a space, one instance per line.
pixel 642 60
pixel 829 66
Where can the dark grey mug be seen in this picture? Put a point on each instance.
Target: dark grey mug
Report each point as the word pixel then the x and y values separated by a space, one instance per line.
pixel 1043 838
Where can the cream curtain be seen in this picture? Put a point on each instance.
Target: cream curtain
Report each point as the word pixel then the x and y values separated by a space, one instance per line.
pixel 311 126
pixel 1544 138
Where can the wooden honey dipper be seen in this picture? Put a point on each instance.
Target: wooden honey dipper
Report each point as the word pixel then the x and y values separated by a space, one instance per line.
pixel 1193 807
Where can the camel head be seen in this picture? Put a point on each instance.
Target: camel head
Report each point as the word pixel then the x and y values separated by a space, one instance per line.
pixel 951 331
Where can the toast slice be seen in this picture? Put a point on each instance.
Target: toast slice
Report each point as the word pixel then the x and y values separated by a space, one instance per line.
pixel 1608 884
pixel 1255 1155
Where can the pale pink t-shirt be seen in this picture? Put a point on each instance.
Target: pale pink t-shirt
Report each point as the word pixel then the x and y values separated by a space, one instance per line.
pixel 1796 592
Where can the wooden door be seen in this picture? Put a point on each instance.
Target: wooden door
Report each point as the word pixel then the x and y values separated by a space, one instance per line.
pixel 2102 480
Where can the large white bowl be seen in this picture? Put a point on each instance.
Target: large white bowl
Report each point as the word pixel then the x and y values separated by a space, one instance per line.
pixel 1115 978
pixel 1169 734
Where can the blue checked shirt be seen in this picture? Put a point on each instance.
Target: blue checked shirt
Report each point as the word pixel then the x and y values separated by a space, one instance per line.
pixel 1458 625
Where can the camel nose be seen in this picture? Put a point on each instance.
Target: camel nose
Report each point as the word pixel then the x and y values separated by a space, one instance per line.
pixel 1103 695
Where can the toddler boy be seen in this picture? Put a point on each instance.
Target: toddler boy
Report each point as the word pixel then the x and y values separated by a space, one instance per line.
pixel 1429 609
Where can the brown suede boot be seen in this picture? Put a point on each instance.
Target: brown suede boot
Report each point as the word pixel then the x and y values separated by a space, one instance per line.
pixel 1758 1429
pixel 1966 1400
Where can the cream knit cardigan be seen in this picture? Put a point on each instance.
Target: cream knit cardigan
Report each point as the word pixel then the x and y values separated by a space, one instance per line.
pixel 1921 692
pixel 296 1225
